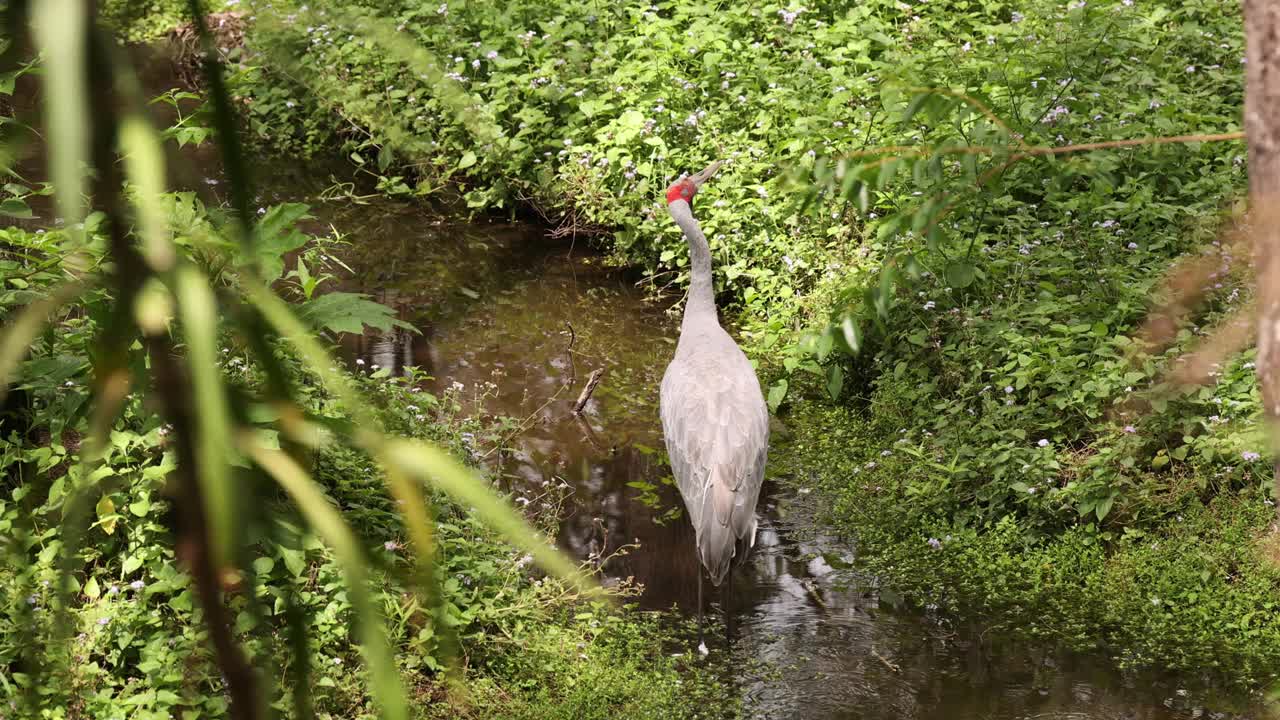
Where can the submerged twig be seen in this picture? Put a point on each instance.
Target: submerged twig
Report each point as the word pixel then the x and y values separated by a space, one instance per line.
pixel 592 380
pixel 891 665
pixel 573 370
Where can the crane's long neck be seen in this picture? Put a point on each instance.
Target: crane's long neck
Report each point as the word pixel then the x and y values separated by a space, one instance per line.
pixel 702 300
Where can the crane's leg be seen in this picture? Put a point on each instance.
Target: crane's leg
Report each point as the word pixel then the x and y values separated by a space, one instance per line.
pixel 701 641
pixel 726 600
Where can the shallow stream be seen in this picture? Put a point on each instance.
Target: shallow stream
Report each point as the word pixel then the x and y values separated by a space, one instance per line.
pixel 515 322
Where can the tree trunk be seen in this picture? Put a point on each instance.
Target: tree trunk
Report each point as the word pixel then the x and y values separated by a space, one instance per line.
pixel 1262 130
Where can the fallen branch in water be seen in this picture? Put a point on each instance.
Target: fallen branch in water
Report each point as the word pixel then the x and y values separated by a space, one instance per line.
pixel 592 380
pixel 892 666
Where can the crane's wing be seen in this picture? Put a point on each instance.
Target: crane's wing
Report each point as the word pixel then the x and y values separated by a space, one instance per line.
pixel 716 426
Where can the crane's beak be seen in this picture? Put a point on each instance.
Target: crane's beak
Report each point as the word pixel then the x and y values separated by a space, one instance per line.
pixel 698 178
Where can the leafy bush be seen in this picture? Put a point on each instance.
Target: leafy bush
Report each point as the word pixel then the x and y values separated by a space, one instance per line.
pixel 140 647
pixel 1195 594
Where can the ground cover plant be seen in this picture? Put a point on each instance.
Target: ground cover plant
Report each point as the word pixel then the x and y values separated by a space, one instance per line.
pixel 907 226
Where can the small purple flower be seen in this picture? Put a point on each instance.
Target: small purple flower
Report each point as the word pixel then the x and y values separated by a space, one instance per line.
pixel 391 545
pixel 1043 443
pixel 935 543
pixel 137 584
pixel 1130 429
pixel 1250 455
pixel 103 621
pixel 1132 246
pixel 1008 389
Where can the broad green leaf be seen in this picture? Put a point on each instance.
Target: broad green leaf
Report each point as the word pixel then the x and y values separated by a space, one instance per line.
pixel 468 159
pixel 777 394
pixel 16 208
pixel 350 313
pixel 107 514
pixel 852 332
pixel 960 275
pixel 826 342
pixel 1103 508
pixel 276 236
pixel 835 381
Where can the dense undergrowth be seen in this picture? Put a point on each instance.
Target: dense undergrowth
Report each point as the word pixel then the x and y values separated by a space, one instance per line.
pixel 1195 594
pixel 133 642
pixel 1010 444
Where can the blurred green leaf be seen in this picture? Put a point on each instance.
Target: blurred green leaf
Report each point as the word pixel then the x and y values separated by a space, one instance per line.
pixel 61 29
pixel 16 208
pixel 835 381
pixel 198 310
pixel 17 337
pixel 777 394
pixel 960 275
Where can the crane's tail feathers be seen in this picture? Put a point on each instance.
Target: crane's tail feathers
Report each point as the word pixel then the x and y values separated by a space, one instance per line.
pixel 726 529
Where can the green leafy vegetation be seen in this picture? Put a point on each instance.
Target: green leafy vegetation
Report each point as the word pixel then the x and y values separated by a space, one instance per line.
pixel 536 647
pixel 1195 593
pixel 203 515
pixel 942 229
pixel 973 204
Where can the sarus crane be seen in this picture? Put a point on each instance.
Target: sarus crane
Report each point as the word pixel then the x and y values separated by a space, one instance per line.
pixel 714 418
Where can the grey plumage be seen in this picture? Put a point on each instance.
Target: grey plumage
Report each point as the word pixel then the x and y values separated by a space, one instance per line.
pixel 714 417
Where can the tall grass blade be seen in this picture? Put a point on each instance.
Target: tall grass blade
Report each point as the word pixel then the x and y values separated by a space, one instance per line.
pixel 438 468
pixel 324 518
pixel 224 121
pixel 198 309
pixel 61 31
pixel 144 165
